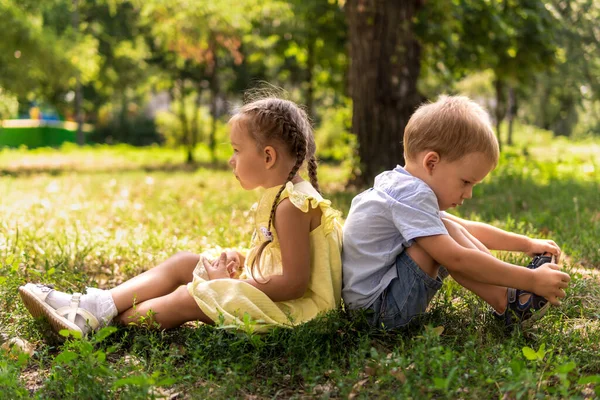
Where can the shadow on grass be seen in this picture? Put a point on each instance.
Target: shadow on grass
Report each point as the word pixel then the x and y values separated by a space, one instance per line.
pixel 69 168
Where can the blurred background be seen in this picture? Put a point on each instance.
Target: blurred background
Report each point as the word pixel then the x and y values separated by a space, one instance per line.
pixel 169 73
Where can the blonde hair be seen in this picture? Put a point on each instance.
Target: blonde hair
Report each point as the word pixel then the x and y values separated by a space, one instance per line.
pixel 271 120
pixel 453 126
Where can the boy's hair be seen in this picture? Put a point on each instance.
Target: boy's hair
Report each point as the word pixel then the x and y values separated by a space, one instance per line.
pixel 453 126
pixel 271 120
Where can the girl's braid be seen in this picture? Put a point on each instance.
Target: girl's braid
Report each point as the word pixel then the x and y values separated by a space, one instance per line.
pixel 293 136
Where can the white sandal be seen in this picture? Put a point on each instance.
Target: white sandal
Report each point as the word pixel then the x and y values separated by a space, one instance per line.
pixel 34 297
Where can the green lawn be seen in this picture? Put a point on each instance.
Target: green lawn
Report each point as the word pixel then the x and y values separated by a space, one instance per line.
pixel 98 216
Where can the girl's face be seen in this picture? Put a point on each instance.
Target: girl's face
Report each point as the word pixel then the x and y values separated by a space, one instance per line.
pixel 247 161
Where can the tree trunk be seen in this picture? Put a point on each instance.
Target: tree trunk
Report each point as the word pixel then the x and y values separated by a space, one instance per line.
pixel 185 131
pixel 195 125
pixel 512 112
pixel 500 110
pixel 78 90
pixel 214 93
pixel 383 74
pixel 310 65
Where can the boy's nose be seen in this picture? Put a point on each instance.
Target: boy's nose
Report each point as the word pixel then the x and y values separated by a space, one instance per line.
pixel 468 194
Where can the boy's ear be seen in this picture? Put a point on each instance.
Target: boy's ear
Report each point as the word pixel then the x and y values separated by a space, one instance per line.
pixel 431 161
pixel 270 156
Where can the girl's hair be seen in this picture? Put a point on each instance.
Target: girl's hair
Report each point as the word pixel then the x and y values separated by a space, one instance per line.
pixel 271 120
pixel 453 126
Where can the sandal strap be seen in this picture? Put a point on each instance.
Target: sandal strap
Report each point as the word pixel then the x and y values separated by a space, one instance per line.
pixel 73 307
pixel 71 311
pixel 41 291
pixel 512 295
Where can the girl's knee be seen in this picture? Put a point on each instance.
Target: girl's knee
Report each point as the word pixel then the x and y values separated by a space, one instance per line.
pixel 187 258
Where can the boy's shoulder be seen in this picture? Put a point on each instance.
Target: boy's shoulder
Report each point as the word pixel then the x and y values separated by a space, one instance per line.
pixel 399 184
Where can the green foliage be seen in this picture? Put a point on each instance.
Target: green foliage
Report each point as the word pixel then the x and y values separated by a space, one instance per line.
pixel 81 370
pixel 11 365
pixel 9 105
pixel 334 140
pixel 566 97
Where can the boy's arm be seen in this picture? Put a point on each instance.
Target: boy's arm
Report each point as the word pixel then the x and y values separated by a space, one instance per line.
pixel 545 281
pixel 497 239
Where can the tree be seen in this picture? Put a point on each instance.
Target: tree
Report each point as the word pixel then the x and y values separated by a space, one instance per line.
pixel 514 39
pixel 187 40
pixel 561 93
pixel 31 61
pixel 384 69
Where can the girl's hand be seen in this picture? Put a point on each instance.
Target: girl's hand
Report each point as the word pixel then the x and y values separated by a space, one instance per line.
pixel 541 246
pixel 238 262
pixel 219 269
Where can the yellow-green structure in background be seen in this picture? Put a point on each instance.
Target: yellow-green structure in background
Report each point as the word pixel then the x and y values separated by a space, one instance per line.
pixel 38 133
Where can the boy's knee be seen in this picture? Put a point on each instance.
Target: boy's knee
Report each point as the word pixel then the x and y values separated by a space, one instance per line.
pixel 452 227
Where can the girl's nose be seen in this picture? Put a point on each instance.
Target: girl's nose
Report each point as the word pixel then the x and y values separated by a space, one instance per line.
pixel 231 161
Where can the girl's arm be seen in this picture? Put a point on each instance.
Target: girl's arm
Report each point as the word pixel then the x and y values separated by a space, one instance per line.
pixel 293 229
pixel 497 239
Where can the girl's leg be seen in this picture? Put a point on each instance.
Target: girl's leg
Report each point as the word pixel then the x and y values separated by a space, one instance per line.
pixel 156 282
pixel 169 311
pixel 159 289
pixel 494 295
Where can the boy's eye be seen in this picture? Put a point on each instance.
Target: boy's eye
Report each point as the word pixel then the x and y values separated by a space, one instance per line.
pixel 466 183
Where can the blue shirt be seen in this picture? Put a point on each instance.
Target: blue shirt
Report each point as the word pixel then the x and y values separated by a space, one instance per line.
pixel 382 222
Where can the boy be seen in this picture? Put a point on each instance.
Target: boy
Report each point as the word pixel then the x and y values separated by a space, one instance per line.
pixel 397 235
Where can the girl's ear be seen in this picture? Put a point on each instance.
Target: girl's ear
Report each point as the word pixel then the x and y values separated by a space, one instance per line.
pixel 431 161
pixel 270 156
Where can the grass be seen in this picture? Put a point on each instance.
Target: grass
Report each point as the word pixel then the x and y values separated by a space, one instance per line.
pixel 98 216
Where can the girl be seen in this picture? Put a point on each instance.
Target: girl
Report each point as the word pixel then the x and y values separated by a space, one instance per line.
pixel 291 274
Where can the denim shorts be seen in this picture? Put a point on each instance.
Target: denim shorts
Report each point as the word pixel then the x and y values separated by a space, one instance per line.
pixel 406 297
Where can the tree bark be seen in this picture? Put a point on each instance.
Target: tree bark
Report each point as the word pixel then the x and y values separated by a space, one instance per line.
pixel 500 111
pixel 78 90
pixel 384 69
pixel 186 139
pixel 214 98
pixel 512 112
pixel 310 66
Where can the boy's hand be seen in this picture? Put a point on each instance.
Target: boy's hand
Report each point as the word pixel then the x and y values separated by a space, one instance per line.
pixel 541 246
pixel 550 283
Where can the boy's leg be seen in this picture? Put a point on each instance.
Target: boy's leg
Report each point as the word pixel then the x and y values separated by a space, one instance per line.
pixel 169 311
pixel 156 282
pixel 494 295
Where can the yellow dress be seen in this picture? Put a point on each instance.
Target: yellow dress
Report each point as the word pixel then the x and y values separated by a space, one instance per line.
pixel 234 303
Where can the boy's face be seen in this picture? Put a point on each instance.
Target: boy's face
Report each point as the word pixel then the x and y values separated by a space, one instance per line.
pixel 453 182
